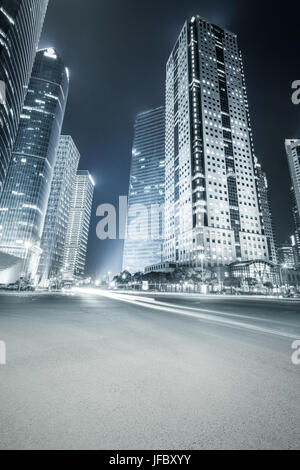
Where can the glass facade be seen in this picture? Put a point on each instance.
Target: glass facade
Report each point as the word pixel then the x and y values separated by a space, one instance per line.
pixel 25 194
pixel 21 23
pixel 143 245
pixel 56 222
pixel 256 273
pixel 264 198
pixel 75 250
pixel 213 209
pixel 286 255
pixel 293 154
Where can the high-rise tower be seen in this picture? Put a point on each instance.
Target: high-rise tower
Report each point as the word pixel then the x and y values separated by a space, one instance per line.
pixel 286 254
pixel 293 154
pixel 143 245
pixel 212 206
pixel 75 250
pixel 21 22
pixel 265 204
pixel 59 205
pixel 25 194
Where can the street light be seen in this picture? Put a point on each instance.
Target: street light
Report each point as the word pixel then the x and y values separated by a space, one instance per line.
pixel 283 266
pixel 27 246
pixel 202 258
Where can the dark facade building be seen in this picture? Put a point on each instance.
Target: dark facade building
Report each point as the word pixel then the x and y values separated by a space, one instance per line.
pixel 25 194
pixel 21 22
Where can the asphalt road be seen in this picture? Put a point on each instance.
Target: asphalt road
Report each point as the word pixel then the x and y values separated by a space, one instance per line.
pixel 90 371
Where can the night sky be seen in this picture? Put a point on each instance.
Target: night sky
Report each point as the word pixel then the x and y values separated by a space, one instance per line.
pixel 117 50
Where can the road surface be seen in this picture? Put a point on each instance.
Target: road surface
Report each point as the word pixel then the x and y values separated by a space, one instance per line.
pixel 103 371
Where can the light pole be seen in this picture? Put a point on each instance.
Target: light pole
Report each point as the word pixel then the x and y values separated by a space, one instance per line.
pixel 283 267
pixel 202 258
pixel 27 246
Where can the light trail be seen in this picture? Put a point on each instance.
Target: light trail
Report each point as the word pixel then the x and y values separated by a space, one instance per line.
pixel 208 315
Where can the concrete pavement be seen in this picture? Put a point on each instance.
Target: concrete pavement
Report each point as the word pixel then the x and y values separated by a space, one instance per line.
pixel 87 371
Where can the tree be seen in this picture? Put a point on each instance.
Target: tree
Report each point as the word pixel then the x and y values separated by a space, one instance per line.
pixel 251 281
pixel 268 285
pixel 123 278
pixel 232 282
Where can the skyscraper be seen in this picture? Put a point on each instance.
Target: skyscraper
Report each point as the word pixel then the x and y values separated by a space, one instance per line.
pixel 212 206
pixel 293 154
pixel 56 222
pixel 265 204
pixel 286 255
pixel 143 245
pixel 78 225
pixel 25 194
pixel 21 22
pixel 295 251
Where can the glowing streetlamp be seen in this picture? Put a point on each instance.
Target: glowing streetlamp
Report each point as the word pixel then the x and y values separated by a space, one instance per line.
pixel 283 267
pixel 27 246
pixel 202 258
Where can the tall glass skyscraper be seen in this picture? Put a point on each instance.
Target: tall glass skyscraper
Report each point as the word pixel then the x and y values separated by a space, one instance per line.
pixel 213 210
pixel 293 154
pixel 286 254
pixel 143 245
pixel 56 222
pixel 75 250
pixel 21 22
pixel 25 194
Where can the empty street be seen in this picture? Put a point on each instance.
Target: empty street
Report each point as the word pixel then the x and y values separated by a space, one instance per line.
pixel 103 370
